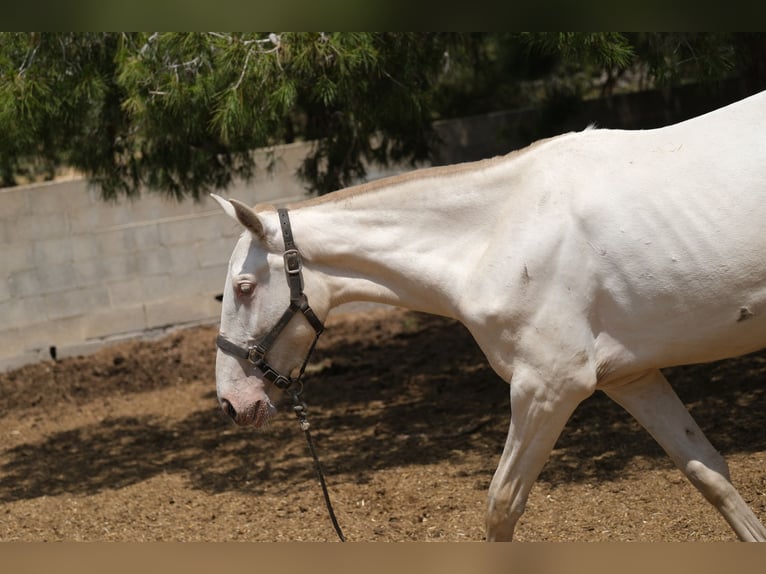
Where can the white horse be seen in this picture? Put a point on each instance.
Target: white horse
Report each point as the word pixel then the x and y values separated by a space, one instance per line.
pixel 582 262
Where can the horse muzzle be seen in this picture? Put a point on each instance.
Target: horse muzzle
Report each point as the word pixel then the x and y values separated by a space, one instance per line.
pixel 254 413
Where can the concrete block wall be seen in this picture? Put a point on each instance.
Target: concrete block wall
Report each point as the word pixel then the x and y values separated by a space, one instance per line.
pixel 77 272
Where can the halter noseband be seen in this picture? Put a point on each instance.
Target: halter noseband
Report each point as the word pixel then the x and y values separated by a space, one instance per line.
pixel 256 353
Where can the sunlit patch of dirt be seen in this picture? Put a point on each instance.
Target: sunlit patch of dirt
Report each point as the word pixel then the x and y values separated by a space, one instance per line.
pixel 129 444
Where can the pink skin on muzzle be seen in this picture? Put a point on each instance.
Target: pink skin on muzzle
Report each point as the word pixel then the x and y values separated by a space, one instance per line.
pixel 243 398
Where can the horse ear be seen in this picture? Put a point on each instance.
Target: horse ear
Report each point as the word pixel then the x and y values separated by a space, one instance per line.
pixel 242 213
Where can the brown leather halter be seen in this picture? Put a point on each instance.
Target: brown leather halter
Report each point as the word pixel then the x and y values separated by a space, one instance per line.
pixel 256 353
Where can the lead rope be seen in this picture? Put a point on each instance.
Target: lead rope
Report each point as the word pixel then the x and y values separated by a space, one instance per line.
pixel 299 408
pixel 300 411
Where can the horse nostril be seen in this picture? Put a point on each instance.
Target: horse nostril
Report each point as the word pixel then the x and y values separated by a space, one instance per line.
pixel 229 409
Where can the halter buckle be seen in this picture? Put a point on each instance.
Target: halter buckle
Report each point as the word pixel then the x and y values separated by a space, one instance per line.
pixel 256 354
pixel 293 263
pixel 282 382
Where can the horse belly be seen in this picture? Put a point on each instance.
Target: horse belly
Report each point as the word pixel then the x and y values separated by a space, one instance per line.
pixel 686 326
pixel 682 285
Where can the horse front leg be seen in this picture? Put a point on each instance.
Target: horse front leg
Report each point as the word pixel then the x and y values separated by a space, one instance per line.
pixel 539 411
pixel 654 404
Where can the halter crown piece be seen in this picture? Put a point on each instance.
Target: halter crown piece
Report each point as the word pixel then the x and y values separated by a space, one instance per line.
pixel 256 353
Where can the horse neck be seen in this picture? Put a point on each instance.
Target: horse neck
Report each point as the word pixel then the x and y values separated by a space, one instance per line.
pixel 407 241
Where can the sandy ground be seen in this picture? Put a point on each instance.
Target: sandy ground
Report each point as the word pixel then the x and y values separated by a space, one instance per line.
pixel 129 444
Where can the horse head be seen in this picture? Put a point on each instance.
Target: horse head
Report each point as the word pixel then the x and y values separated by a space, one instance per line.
pixel 267 327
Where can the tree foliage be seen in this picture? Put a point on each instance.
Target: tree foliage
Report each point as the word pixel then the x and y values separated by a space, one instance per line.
pixel 182 112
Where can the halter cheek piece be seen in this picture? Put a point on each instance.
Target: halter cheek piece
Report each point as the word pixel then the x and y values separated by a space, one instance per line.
pixel 255 354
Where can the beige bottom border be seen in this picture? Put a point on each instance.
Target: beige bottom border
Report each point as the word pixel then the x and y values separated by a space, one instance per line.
pixel 374 558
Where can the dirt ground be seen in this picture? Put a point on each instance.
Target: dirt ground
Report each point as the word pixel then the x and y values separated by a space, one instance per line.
pixel 129 444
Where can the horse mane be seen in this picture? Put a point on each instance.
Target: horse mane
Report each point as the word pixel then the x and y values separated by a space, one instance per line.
pixel 422 173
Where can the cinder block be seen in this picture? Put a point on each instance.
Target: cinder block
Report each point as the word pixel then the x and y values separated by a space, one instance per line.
pixel 142 289
pixel 153 288
pixel 38 337
pixel 166 260
pixel 89 272
pixel 11 343
pixel 212 279
pixel 16 257
pixel 112 243
pixel 62 330
pixel 117 241
pixel 215 252
pixel 190 230
pixel 86 246
pixel 146 237
pixel 180 310
pixel 45 278
pixel 23 283
pixel 231 230
pixel 38 227
pixel 158 287
pixel 208 281
pixel 14 201
pixel 86 221
pixel 183 258
pixel 20 311
pixel 60 197
pixel 110 322
pixel 99 216
pixel 53 251
pixel 56 278
pixel 120 267
pixel 154 206
pixel 126 293
pixel 155 262
pixel 75 302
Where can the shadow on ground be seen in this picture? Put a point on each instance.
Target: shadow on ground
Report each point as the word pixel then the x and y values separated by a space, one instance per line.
pixel 381 396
